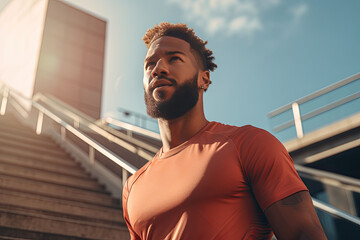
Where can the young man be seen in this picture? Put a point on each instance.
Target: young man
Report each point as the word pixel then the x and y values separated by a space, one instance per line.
pixel 209 180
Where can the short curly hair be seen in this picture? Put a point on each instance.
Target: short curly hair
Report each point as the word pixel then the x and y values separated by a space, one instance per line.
pixel 180 30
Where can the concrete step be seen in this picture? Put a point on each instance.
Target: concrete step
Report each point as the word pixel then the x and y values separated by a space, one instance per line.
pixel 24 133
pixel 49 177
pixel 44 194
pixel 66 161
pixel 55 190
pixel 5 234
pixel 57 152
pixel 13 122
pixel 49 144
pixel 44 165
pixel 71 209
pixel 63 215
pixel 32 223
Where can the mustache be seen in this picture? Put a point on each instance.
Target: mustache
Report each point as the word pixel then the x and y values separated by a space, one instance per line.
pixel 159 78
pixel 173 82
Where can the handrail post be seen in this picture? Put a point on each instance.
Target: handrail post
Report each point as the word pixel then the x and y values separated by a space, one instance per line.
pixel 91 155
pixel 63 133
pixel 76 123
pixel 297 119
pixel 4 101
pixel 39 122
pixel 129 132
pixel 125 176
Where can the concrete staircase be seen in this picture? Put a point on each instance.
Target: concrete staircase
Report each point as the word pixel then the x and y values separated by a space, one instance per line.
pixel 44 194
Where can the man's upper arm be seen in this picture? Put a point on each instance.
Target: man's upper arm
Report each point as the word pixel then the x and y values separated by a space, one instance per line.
pixel 269 168
pixel 294 217
pixel 277 187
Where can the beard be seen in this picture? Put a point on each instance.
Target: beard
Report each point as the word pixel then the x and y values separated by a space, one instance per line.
pixel 183 99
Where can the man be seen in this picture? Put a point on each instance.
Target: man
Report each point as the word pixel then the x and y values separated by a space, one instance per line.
pixel 209 180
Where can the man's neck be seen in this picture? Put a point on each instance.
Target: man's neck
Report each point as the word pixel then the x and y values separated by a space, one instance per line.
pixel 176 131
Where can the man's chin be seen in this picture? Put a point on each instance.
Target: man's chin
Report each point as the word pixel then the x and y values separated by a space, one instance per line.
pixel 162 94
pixel 170 102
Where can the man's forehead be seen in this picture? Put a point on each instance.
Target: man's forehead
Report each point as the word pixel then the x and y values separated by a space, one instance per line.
pixel 167 43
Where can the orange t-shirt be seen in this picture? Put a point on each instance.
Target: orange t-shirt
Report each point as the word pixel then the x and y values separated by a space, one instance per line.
pixel 216 185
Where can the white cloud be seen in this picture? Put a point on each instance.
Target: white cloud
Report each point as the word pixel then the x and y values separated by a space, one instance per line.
pixel 245 24
pixel 254 24
pixel 238 23
pixel 299 11
pixel 243 17
pixel 222 4
pixel 226 16
pixel 271 2
pixel 215 24
pixel 247 7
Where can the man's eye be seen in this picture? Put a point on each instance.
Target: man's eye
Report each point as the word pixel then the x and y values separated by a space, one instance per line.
pixel 149 65
pixel 174 58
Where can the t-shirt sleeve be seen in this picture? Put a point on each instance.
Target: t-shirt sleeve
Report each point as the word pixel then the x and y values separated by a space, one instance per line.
pixel 126 188
pixel 269 168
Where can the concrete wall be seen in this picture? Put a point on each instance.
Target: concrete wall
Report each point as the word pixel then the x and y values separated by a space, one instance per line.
pixel 71 62
pixel 51 47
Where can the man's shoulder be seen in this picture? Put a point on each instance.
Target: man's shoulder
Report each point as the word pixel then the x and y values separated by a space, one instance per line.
pixel 244 137
pixel 234 132
pixel 132 179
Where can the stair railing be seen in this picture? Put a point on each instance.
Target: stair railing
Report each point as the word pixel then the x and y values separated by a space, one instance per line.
pixel 138 119
pixel 126 167
pixel 93 145
pixel 298 118
pixel 80 119
pixel 129 128
pixel 329 178
pixel 333 179
pixel 335 212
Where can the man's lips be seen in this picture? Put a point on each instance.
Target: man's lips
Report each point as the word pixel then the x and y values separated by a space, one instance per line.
pixel 160 83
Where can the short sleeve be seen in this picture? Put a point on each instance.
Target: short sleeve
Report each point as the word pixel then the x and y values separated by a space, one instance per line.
pixel 133 235
pixel 268 167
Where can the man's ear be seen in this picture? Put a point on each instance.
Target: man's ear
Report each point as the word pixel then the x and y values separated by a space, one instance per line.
pixel 204 80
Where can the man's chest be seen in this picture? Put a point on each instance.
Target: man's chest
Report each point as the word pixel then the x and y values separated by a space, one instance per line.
pixel 196 177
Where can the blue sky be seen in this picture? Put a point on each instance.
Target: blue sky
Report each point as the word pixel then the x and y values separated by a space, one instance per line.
pixel 269 52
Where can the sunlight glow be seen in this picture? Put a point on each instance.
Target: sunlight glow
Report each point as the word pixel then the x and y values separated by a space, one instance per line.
pixel 20 42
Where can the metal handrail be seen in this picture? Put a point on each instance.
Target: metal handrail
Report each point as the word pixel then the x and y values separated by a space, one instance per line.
pixel 315 94
pixel 93 145
pixel 99 130
pixel 318 111
pixel 297 118
pixel 130 127
pixel 335 211
pixel 333 179
pixel 140 118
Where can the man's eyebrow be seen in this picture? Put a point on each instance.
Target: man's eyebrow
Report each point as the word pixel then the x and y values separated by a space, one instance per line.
pixel 149 58
pixel 167 53
pixel 174 52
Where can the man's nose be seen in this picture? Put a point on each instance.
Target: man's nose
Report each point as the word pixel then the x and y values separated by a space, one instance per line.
pixel 161 68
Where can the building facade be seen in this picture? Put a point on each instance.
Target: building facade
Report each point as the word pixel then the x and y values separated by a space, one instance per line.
pixel 54 48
